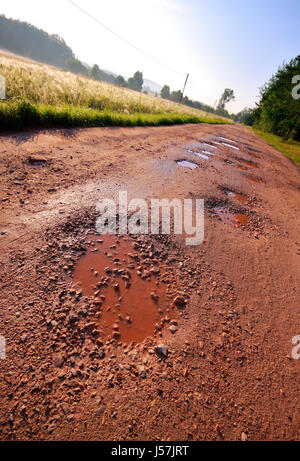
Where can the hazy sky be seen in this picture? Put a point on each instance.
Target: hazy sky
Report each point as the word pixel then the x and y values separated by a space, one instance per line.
pixel 222 43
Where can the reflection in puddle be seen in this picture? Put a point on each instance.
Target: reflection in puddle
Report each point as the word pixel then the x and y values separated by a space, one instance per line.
pixel 130 299
pixel 187 164
pixel 239 197
pixel 198 154
pixel 218 143
pixel 226 139
pixel 209 145
pixel 207 152
pixel 230 145
pixel 233 219
pixel 201 155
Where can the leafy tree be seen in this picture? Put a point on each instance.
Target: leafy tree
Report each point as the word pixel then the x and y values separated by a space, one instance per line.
pixel 278 111
pixel 165 92
pixel 136 82
pixel 120 81
pixel 227 96
pixel 245 116
pixel 76 66
pixel 176 96
pixel 95 72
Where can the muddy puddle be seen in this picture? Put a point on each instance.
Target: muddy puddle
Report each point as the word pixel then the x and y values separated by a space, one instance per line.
pixel 232 219
pixel 209 145
pixel 230 146
pixel 130 300
pixel 199 154
pixel 239 197
pixel 255 179
pixel 225 139
pixel 187 164
pixel 241 167
pixel 248 163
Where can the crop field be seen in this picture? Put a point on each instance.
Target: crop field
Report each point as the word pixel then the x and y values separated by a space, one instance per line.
pixel 38 94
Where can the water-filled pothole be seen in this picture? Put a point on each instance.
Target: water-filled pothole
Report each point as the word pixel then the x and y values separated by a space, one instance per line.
pixel 239 197
pixel 255 179
pixel 123 282
pixel 187 164
pixel 199 154
pixel 230 146
pixel 233 219
pixel 225 139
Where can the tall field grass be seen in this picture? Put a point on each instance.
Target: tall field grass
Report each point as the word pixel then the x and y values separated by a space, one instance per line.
pixel 38 94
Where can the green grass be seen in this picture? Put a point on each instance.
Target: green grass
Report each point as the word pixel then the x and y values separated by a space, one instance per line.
pixel 290 149
pixel 22 114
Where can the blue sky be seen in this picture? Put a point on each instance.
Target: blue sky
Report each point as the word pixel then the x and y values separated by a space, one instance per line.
pixel 222 43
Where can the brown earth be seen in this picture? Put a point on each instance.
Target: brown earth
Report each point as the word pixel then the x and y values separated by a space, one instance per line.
pixel 229 373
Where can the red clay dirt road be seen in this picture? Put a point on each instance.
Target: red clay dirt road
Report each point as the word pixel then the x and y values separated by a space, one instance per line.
pixel 69 374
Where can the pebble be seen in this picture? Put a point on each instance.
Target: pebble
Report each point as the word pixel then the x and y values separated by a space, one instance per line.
pixel 179 301
pixel 161 351
pixel 58 361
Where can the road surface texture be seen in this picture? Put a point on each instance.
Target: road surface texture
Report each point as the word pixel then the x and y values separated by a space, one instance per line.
pixel 82 318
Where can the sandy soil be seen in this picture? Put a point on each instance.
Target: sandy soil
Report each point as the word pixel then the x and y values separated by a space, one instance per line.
pixel 229 373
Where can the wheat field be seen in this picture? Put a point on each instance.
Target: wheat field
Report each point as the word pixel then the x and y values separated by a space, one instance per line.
pixel 43 86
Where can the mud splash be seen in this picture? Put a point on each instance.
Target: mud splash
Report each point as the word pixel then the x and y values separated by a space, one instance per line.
pixel 232 219
pixel 130 299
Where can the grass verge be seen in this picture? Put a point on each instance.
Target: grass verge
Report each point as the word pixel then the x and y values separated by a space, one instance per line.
pixel 22 114
pixel 290 149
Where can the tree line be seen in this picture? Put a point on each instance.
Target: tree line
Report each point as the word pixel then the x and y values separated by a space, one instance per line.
pixel 278 110
pixel 177 96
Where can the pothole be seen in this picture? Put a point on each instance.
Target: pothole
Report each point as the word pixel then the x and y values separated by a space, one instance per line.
pixel 199 154
pixel 226 139
pixel 187 164
pixel 249 163
pixel 123 281
pixel 241 167
pixel 209 145
pixel 239 197
pixel 207 152
pixel 255 179
pixel 229 145
pixel 233 219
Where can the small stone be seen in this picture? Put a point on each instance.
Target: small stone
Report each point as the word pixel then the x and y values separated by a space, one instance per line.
pixel 244 437
pixel 154 296
pixel 161 351
pixel 142 371
pixel 24 338
pixel 73 317
pixel 173 329
pixel 179 301
pixel 58 361
pixel 65 408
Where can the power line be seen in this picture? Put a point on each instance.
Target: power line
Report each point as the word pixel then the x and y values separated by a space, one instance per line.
pixel 124 39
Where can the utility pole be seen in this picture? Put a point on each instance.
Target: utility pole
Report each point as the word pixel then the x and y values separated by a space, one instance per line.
pixel 187 76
